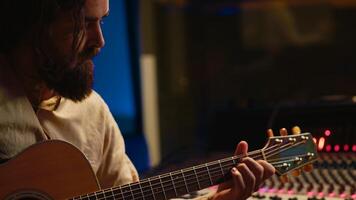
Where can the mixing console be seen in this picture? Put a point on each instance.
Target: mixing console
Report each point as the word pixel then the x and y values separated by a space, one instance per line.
pixel 333 177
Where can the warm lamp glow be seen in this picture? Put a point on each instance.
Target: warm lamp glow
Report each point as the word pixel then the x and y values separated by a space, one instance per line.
pixel 315 140
pixel 321 143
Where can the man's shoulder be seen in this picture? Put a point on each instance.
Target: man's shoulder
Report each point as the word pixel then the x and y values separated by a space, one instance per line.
pixel 94 103
pixel 94 98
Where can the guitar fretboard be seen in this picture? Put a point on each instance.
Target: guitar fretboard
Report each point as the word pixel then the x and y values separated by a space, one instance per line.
pixel 174 184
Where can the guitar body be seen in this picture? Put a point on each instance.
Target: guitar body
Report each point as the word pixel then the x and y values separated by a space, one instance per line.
pixel 48 170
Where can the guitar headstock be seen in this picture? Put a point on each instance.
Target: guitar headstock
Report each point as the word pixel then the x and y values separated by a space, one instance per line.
pixel 290 152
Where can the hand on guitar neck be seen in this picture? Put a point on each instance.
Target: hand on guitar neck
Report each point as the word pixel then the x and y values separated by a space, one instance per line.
pixel 249 173
pixel 247 176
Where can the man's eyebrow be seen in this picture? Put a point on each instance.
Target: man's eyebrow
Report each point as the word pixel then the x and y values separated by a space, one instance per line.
pixel 90 18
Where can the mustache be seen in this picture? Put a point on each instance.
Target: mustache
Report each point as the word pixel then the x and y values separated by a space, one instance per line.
pixel 89 53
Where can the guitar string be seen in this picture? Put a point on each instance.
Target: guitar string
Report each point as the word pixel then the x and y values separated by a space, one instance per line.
pixel 175 173
pixel 287 146
pixel 181 173
pixel 143 194
pixel 204 179
pixel 199 167
pixel 288 157
pixel 163 189
pixel 177 183
pixel 187 180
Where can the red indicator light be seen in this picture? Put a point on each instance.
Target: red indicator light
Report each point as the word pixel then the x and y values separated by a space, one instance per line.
pixel 337 148
pixel 310 193
pixel 327 133
pixel 321 143
pixel 354 148
pixel 346 147
pixel 328 148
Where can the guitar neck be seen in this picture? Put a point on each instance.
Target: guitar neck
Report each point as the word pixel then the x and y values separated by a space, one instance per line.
pixel 175 184
pixel 285 153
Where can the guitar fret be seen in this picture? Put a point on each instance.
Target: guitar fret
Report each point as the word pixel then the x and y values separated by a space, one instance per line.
pixel 100 195
pixel 137 190
pixel 178 178
pixel 122 193
pixel 143 195
pixel 153 194
pixel 207 169
pixel 203 177
pixel 87 196
pixel 196 175
pixel 185 182
pixel 127 192
pixel 174 185
pixel 234 161
pixel 132 194
pixel 263 154
pixel 222 171
pixel 144 190
pixel 163 190
pixel 104 194
pixel 112 193
pixel 96 197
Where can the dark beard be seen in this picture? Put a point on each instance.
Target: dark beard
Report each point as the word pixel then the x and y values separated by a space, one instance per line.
pixel 72 82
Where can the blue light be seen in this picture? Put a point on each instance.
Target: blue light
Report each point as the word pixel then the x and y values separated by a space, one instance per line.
pixel 113 75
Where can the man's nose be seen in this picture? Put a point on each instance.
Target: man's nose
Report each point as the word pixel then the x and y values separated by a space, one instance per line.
pixel 95 36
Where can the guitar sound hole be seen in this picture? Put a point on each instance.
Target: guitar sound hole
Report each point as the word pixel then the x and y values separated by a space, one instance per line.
pixel 28 195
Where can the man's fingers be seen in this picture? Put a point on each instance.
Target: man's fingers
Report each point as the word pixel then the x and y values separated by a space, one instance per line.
pixel 248 179
pixel 225 185
pixel 256 169
pixel 268 171
pixel 239 188
pixel 241 148
pixel 246 176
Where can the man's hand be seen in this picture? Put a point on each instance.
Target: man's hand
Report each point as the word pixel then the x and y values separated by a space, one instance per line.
pixel 246 177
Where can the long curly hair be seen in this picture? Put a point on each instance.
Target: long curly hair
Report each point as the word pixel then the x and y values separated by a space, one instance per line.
pixel 28 20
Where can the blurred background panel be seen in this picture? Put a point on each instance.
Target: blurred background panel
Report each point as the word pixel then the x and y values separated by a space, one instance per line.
pixel 188 79
pixel 228 70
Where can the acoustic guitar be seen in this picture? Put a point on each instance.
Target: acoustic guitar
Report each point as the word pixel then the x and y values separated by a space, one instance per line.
pixel 57 170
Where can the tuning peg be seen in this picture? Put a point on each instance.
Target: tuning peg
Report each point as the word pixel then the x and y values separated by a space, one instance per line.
pixel 283 132
pixel 296 172
pixel 296 130
pixel 308 167
pixel 270 133
pixel 284 178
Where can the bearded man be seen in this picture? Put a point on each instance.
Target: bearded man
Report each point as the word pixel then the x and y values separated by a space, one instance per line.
pixel 46 78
